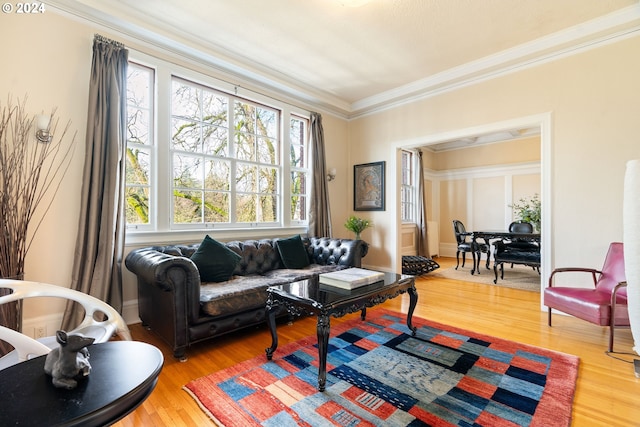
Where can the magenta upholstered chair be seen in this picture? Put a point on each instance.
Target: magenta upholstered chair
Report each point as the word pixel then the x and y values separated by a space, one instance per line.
pixel 604 304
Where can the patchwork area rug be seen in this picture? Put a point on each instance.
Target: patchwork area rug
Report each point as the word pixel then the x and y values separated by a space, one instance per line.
pixel 377 374
pixel 518 277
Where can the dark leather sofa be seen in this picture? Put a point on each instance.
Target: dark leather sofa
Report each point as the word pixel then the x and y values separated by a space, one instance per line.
pixel 182 310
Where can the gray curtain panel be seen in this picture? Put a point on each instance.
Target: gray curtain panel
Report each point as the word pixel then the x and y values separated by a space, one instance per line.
pixel 320 213
pixel 423 239
pixel 100 241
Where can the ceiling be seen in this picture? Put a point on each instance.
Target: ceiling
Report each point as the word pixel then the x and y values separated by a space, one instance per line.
pixel 353 60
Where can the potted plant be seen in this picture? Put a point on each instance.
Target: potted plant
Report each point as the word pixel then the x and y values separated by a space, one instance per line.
pixel 357 225
pixel 528 210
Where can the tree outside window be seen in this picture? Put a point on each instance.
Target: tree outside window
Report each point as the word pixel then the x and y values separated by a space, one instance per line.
pixel 225 158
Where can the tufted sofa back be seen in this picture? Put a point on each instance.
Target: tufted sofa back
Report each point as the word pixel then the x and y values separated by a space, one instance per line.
pixel 258 256
pixel 261 256
pixel 328 251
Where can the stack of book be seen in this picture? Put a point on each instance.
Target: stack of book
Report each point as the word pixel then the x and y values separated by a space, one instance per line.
pixel 350 278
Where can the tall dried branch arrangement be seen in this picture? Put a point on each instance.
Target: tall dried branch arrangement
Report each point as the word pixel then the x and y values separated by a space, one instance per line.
pixel 30 175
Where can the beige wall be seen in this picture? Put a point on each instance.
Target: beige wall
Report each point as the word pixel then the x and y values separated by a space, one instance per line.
pixel 481 200
pixel 453 205
pixel 48 57
pixel 593 103
pixel 337 153
pixel 525 186
pixel 487 180
pixel 592 97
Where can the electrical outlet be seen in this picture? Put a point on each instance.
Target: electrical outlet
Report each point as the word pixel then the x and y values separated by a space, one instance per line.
pixel 39 332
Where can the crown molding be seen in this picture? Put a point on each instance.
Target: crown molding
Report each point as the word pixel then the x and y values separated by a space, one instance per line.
pixel 606 29
pixel 242 71
pixel 260 78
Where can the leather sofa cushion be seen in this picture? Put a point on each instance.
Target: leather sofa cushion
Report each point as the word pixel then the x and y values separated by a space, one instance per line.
pixel 248 292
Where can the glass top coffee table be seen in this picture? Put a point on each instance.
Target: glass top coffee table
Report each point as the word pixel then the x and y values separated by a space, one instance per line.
pixel 311 297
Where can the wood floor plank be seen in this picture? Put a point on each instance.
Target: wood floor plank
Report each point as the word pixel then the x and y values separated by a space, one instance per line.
pixel 606 394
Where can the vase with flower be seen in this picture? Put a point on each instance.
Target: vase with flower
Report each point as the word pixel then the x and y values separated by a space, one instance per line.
pixel 357 225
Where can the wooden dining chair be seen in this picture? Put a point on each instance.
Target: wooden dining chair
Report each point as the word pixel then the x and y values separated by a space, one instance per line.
pixel 466 245
pixel 604 304
pixel 519 243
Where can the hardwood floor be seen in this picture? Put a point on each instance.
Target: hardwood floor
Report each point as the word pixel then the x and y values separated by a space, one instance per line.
pixel 606 394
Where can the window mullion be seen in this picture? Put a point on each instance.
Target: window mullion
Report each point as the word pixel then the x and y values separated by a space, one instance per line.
pixel 164 169
pixel 232 157
pixel 285 168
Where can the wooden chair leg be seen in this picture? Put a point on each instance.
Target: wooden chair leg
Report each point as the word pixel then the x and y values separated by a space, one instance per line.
pixel 549 318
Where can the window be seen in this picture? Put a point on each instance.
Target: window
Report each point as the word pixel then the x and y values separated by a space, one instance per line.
pixel 224 154
pixel 299 169
pixel 408 187
pixel 139 146
pixel 221 173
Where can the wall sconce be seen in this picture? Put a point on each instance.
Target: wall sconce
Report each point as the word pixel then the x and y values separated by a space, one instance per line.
pixel 331 174
pixel 42 128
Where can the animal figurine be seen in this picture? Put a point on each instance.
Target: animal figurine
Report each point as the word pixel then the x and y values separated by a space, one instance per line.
pixel 69 362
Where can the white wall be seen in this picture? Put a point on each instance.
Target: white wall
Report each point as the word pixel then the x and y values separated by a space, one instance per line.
pixel 592 99
pixel 48 58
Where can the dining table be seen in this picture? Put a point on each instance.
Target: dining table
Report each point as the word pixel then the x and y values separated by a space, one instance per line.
pixel 488 236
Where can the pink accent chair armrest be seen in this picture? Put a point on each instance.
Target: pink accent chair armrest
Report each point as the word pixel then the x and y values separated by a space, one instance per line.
pixel 604 304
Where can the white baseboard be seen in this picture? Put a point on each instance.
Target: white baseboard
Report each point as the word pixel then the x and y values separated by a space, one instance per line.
pixel 130 312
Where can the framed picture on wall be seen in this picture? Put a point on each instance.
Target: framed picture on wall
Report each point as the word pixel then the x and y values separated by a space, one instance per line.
pixel 368 187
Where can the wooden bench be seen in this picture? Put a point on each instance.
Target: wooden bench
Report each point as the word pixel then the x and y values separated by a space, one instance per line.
pixel 418 265
pixel 503 255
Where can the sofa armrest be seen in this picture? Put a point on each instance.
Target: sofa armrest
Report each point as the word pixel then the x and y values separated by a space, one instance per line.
pixel 326 250
pixel 173 274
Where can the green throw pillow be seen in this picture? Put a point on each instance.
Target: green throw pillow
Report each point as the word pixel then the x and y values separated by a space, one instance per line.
pixel 292 252
pixel 215 261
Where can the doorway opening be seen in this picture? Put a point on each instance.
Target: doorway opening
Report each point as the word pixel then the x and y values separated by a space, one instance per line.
pixel 493 133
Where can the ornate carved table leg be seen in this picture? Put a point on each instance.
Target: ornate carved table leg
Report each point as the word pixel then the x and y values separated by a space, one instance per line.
pixel 413 300
pixel 323 344
pixel 271 320
pixel 363 314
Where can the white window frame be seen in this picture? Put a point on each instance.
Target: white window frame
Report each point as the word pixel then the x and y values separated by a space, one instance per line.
pixel 410 189
pixel 287 164
pixel 161 174
pixel 153 154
